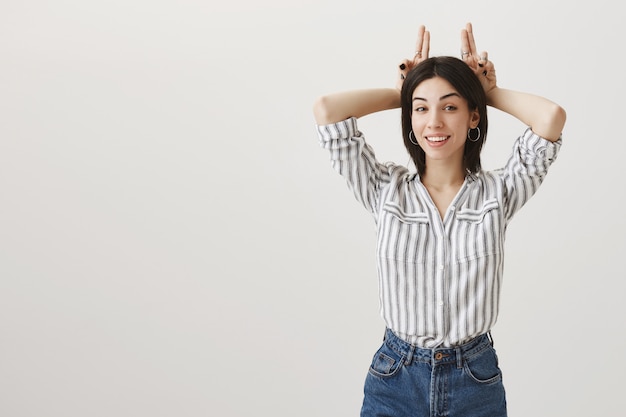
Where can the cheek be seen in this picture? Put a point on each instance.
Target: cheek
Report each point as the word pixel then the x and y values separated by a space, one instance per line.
pixel 417 123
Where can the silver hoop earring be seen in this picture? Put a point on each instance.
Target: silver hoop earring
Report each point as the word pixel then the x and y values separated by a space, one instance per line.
pixel 469 136
pixel 412 139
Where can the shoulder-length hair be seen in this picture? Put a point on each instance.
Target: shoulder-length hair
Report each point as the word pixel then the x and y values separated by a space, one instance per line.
pixel 467 84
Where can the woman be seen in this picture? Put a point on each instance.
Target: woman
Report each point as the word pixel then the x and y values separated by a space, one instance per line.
pixel 440 231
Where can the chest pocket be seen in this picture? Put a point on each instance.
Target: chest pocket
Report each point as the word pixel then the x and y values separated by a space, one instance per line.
pixel 402 234
pixel 403 216
pixel 477 215
pixel 479 231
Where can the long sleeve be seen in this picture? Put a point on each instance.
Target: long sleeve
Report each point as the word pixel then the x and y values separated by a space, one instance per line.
pixel 526 169
pixel 355 160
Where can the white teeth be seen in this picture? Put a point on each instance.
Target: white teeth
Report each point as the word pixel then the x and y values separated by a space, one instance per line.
pixel 437 138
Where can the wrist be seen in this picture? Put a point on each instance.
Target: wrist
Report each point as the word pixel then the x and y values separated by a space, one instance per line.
pixel 491 95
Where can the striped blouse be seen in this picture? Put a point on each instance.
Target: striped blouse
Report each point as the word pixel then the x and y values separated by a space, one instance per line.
pixel 439 279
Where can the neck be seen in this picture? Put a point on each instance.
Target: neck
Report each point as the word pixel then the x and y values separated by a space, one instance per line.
pixel 440 174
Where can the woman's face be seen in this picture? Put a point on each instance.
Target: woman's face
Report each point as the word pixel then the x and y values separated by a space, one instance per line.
pixel 440 119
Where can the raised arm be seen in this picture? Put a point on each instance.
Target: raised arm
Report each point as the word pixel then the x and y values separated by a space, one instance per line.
pixel 336 107
pixel 544 117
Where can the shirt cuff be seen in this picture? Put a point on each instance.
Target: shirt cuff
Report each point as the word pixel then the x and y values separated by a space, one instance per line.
pixel 344 129
pixel 536 145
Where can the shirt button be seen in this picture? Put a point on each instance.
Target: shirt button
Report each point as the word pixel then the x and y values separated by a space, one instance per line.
pixel 441 302
pixel 441 266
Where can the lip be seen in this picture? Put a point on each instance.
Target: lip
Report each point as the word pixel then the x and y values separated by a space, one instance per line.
pixel 437 143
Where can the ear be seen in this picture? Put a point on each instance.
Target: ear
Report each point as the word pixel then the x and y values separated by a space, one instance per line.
pixel 474 119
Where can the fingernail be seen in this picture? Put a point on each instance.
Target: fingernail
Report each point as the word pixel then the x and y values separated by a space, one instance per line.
pixel 402 76
pixel 481 65
pixel 402 66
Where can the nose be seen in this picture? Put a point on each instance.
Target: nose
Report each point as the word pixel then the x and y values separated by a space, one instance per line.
pixel 435 119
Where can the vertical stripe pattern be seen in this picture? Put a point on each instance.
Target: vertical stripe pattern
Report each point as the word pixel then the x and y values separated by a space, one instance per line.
pixel 439 279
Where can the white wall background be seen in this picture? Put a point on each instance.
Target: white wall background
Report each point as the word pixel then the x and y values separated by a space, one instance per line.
pixel 173 242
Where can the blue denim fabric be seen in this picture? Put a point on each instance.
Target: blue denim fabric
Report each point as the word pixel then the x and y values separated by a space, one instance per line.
pixel 404 380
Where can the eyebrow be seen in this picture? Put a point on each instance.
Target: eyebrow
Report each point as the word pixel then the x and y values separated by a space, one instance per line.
pixel 440 98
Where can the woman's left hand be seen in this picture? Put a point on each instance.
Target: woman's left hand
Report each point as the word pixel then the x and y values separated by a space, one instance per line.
pixel 479 63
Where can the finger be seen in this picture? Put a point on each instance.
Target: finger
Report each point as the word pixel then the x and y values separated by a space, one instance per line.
pixel 426 44
pixel 420 39
pixel 490 68
pixel 465 48
pixel 403 68
pixel 483 62
pixel 482 59
pixel 470 39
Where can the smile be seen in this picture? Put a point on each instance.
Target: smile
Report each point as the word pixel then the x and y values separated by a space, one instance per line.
pixel 436 138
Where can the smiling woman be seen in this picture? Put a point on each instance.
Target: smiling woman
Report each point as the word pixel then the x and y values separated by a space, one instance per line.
pixel 443 96
pixel 441 230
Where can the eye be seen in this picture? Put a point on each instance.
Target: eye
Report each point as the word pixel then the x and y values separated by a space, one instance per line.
pixel 419 109
pixel 450 107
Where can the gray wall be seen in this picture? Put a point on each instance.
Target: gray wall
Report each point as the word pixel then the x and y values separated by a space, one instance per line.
pixel 173 241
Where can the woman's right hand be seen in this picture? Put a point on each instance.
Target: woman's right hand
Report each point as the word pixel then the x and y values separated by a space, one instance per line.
pixel 422 47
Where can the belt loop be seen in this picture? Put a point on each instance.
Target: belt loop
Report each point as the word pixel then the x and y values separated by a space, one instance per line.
pixel 490 338
pixel 459 358
pixel 409 355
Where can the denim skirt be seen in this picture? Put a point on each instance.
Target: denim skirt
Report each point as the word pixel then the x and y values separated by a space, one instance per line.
pixel 408 381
